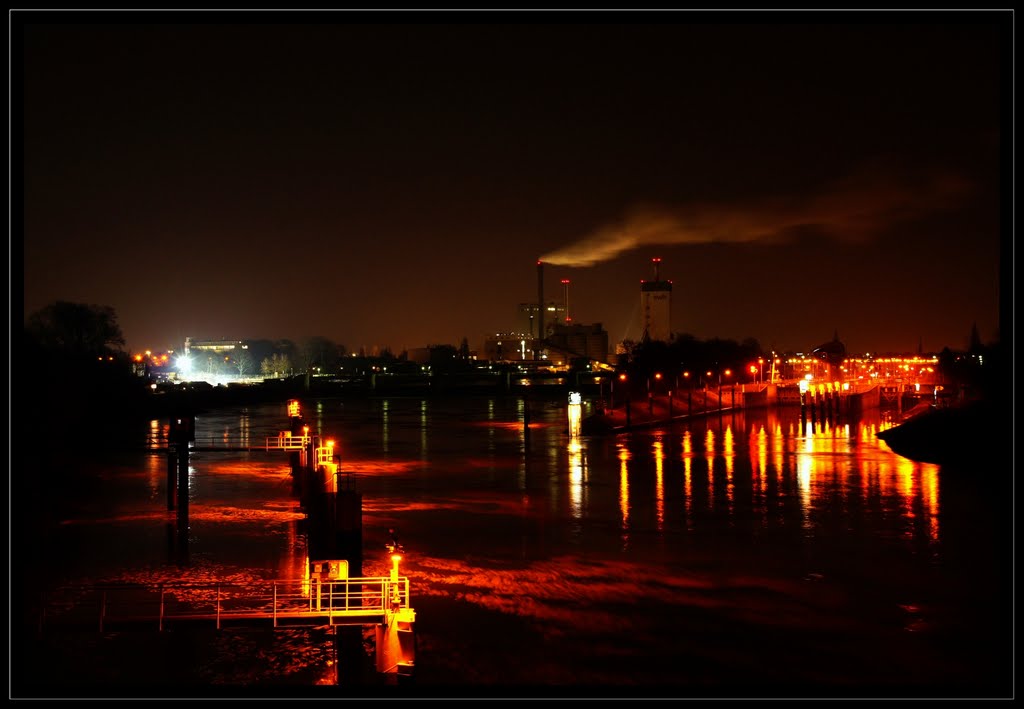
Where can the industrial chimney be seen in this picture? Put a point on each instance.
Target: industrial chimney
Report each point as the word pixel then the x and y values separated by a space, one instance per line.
pixel 565 285
pixel 540 307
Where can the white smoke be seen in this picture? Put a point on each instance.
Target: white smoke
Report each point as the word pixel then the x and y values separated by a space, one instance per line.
pixel 856 207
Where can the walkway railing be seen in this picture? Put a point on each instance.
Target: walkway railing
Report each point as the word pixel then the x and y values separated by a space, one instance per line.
pixel 161 443
pixel 356 600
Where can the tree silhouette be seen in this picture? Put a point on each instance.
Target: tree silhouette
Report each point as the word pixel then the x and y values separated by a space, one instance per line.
pixel 76 329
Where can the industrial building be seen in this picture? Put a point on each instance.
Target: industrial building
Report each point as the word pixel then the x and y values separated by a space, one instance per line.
pixel 215 346
pixel 589 341
pixel 656 306
pixel 527 321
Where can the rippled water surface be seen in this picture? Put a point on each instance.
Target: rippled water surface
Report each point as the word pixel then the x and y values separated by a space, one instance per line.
pixel 753 555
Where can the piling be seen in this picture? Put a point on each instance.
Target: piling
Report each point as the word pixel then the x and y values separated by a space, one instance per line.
pixel 172 477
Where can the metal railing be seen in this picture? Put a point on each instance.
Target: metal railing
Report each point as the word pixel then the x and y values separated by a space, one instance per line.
pixel 232 443
pixel 101 607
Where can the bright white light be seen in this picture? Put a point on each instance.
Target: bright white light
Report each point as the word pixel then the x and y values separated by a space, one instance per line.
pixel 575 397
pixel 184 364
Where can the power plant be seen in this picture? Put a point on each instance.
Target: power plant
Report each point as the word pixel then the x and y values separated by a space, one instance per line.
pixel 547 336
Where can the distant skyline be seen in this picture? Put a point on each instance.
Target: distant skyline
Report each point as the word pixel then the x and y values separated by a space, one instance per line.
pixel 391 179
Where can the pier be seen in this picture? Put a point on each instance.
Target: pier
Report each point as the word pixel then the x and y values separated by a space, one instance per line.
pixel 332 593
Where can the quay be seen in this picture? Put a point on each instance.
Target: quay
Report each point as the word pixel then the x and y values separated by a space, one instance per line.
pixel 815 400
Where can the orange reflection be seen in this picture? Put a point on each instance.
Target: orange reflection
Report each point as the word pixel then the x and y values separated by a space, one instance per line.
pixel 659 483
pixel 688 477
pixel 576 479
pixel 624 487
pixel 729 453
pixel 760 445
pixel 709 454
pixel 929 475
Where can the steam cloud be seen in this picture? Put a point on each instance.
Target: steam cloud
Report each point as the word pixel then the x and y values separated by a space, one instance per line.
pixel 855 208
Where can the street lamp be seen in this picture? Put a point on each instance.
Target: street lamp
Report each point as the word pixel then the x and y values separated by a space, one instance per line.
pixel 624 379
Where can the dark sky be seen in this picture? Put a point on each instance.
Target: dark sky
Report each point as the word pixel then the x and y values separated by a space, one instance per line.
pixel 392 179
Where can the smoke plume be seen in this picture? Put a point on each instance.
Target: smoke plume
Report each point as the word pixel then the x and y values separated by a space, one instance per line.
pixel 858 207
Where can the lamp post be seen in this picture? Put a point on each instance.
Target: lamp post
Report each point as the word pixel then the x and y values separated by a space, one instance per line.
pixel 689 393
pixel 651 391
pixel 624 381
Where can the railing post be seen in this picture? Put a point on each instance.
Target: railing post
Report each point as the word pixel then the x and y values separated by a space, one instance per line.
pixel 218 606
pixel 160 624
pixel 275 604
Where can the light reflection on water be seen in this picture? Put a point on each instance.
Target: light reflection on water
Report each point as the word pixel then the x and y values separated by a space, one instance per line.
pixel 621 555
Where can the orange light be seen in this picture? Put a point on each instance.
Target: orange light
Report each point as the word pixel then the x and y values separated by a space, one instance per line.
pixel 138 358
pixel 657 375
pixel 622 377
pixel 728 372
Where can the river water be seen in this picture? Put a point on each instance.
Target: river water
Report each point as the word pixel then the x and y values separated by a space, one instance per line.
pixel 749 555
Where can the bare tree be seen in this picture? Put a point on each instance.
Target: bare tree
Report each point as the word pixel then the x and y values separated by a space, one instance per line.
pixel 277 366
pixel 244 362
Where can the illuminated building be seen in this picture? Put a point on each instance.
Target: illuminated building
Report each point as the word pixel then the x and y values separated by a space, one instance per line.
pixel 590 341
pixel 554 313
pixel 656 306
pixel 215 346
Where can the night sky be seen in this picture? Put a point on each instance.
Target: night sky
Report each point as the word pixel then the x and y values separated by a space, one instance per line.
pixel 391 179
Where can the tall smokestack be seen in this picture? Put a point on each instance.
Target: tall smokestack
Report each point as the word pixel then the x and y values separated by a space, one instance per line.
pixel 657 268
pixel 565 285
pixel 540 305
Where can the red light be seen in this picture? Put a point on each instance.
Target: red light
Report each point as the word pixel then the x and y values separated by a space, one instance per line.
pixel 622 377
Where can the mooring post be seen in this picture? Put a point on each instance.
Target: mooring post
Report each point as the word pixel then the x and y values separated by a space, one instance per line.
pixel 183 481
pixel 172 473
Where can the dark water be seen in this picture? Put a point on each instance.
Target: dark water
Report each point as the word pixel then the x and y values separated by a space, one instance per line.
pixel 750 555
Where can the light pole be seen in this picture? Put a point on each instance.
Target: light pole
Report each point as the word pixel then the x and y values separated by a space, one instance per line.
pixel 623 379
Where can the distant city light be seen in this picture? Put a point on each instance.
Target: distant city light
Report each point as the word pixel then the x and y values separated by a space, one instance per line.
pixel 184 363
